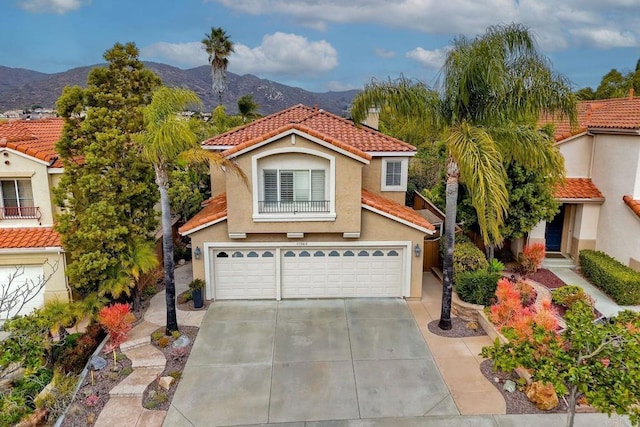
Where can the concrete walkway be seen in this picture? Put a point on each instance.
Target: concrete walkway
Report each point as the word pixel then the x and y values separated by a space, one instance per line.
pixel 125 400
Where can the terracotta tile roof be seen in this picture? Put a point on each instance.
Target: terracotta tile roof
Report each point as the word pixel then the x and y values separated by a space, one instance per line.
pixel 36 138
pixel 578 188
pixel 215 208
pixel 633 204
pixel 318 123
pixel 617 113
pixel 34 237
pixel 395 209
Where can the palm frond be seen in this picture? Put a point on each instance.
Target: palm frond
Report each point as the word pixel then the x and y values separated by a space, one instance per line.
pixel 199 155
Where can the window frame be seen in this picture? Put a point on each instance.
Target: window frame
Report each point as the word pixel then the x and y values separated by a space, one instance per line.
pixel 404 167
pixel 19 199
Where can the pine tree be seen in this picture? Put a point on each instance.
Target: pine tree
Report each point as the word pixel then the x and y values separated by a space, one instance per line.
pixel 107 192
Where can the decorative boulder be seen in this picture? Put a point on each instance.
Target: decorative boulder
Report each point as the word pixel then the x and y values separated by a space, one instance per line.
pixel 182 341
pixel 97 363
pixel 165 382
pixel 509 386
pixel 543 395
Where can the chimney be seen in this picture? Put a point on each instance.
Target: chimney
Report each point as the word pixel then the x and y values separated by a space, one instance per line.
pixel 630 93
pixel 373 118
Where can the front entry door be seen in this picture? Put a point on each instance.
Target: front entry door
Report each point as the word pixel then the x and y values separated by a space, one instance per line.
pixel 553 232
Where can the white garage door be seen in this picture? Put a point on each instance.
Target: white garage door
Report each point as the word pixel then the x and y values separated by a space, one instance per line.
pixel 21 283
pixel 342 272
pixel 244 274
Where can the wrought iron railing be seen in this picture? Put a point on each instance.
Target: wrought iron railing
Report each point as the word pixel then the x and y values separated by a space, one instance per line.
pixel 23 212
pixel 294 207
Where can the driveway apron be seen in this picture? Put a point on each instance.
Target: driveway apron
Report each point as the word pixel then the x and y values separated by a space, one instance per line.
pixel 259 362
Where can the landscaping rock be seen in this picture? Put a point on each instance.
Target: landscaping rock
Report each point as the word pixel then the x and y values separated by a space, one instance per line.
pixel 97 363
pixel 509 386
pixel 543 395
pixel 165 382
pixel 182 341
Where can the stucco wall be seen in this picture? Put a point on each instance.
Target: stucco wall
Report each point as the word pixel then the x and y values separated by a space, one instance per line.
pixel 374 228
pixel 577 156
pixel 23 167
pixel 347 187
pixel 616 159
pixel 372 180
pixel 56 287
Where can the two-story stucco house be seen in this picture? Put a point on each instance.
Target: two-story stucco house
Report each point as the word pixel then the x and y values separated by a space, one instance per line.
pixel 600 201
pixel 29 169
pixel 322 213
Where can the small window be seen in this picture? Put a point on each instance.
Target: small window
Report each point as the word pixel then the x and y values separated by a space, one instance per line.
pixel 318 253
pixel 393 175
pixel 289 254
pixel 237 254
pixel 267 254
pixel 392 253
pixel 304 254
pixel 222 255
pixel 348 253
pixel 363 253
pixel 378 253
pixel 252 254
pixel 334 253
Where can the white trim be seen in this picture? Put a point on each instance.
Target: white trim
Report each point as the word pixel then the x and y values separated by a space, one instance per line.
pixel 571 138
pixel 400 220
pixel 295 235
pixel 404 171
pixel 205 225
pixel 16 175
pixel 237 235
pixel 354 235
pixel 392 153
pixel 313 216
pixel 55 171
pixel 47 249
pixel 305 135
pixel 26 156
pixel 209 247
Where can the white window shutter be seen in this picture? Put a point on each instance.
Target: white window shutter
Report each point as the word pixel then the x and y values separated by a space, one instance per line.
pixel 270 185
pixel 317 185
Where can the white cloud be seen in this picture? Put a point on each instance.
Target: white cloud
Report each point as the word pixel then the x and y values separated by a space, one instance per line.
pixel 285 55
pixel 337 86
pixel 558 25
pixel 384 53
pixel 429 58
pixel 56 6
pixel 181 54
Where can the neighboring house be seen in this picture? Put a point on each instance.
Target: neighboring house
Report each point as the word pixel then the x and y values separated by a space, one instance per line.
pixel 600 200
pixel 29 170
pixel 321 215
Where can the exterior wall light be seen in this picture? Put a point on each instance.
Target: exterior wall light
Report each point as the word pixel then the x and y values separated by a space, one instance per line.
pixel 197 252
pixel 417 250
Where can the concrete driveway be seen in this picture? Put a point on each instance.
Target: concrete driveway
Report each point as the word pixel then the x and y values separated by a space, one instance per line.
pixel 257 362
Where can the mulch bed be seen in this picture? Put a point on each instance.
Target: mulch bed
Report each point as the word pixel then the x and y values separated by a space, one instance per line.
pixel 459 329
pixel 546 278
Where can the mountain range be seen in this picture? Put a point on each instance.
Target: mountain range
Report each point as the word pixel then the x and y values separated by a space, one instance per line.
pixel 21 89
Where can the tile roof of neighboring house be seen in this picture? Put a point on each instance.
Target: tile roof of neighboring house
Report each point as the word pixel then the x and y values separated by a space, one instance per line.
pixel 634 205
pixel 395 209
pixel 617 113
pixel 215 208
pixel 34 237
pixel 578 188
pixel 36 138
pixel 318 123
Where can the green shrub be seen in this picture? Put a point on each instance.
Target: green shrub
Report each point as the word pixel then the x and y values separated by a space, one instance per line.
pixel 459 238
pixel 495 266
pixel 477 287
pixel 467 257
pixel 568 295
pixel 617 280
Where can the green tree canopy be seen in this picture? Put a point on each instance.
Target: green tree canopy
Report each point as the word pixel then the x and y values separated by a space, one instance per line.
pixel 106 193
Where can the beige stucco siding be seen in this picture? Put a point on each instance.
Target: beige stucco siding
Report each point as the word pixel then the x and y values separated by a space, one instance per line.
pixel 375 228
pixel 616 160
pixel 23 167
pixel 577 154
pixel 347 185
pixel 52 262
pixel 372 181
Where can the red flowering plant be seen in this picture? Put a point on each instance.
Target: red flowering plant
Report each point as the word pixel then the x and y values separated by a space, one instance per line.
pixel 532 257
pixel 117 320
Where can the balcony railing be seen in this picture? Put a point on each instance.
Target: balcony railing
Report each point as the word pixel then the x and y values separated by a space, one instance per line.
pixel 294 207
pixel 24 212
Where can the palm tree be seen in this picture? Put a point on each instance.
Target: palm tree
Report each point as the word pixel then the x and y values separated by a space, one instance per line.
pixel 247 107
pixel 167 138
pixel 491 92
pixel 218 46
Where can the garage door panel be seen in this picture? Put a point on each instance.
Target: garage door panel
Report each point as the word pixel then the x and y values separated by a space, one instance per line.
pixel 244 274
pixel 17 277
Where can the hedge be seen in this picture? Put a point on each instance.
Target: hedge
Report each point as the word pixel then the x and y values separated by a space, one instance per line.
pixel 617 280
pixel 467 257
pixel 477 287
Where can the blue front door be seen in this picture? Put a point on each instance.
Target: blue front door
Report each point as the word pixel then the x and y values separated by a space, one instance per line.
pixel 553 233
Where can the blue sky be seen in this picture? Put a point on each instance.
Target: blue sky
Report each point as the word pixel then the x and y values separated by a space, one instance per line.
pixel 318 45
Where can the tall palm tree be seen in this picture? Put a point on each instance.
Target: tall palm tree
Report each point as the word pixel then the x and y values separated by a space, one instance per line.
pixel 166 138
pixel 218 46
pixel 247 107
pixel 491 92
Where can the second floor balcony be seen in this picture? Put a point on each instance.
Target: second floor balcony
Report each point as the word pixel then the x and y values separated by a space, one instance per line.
pixel 20 212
